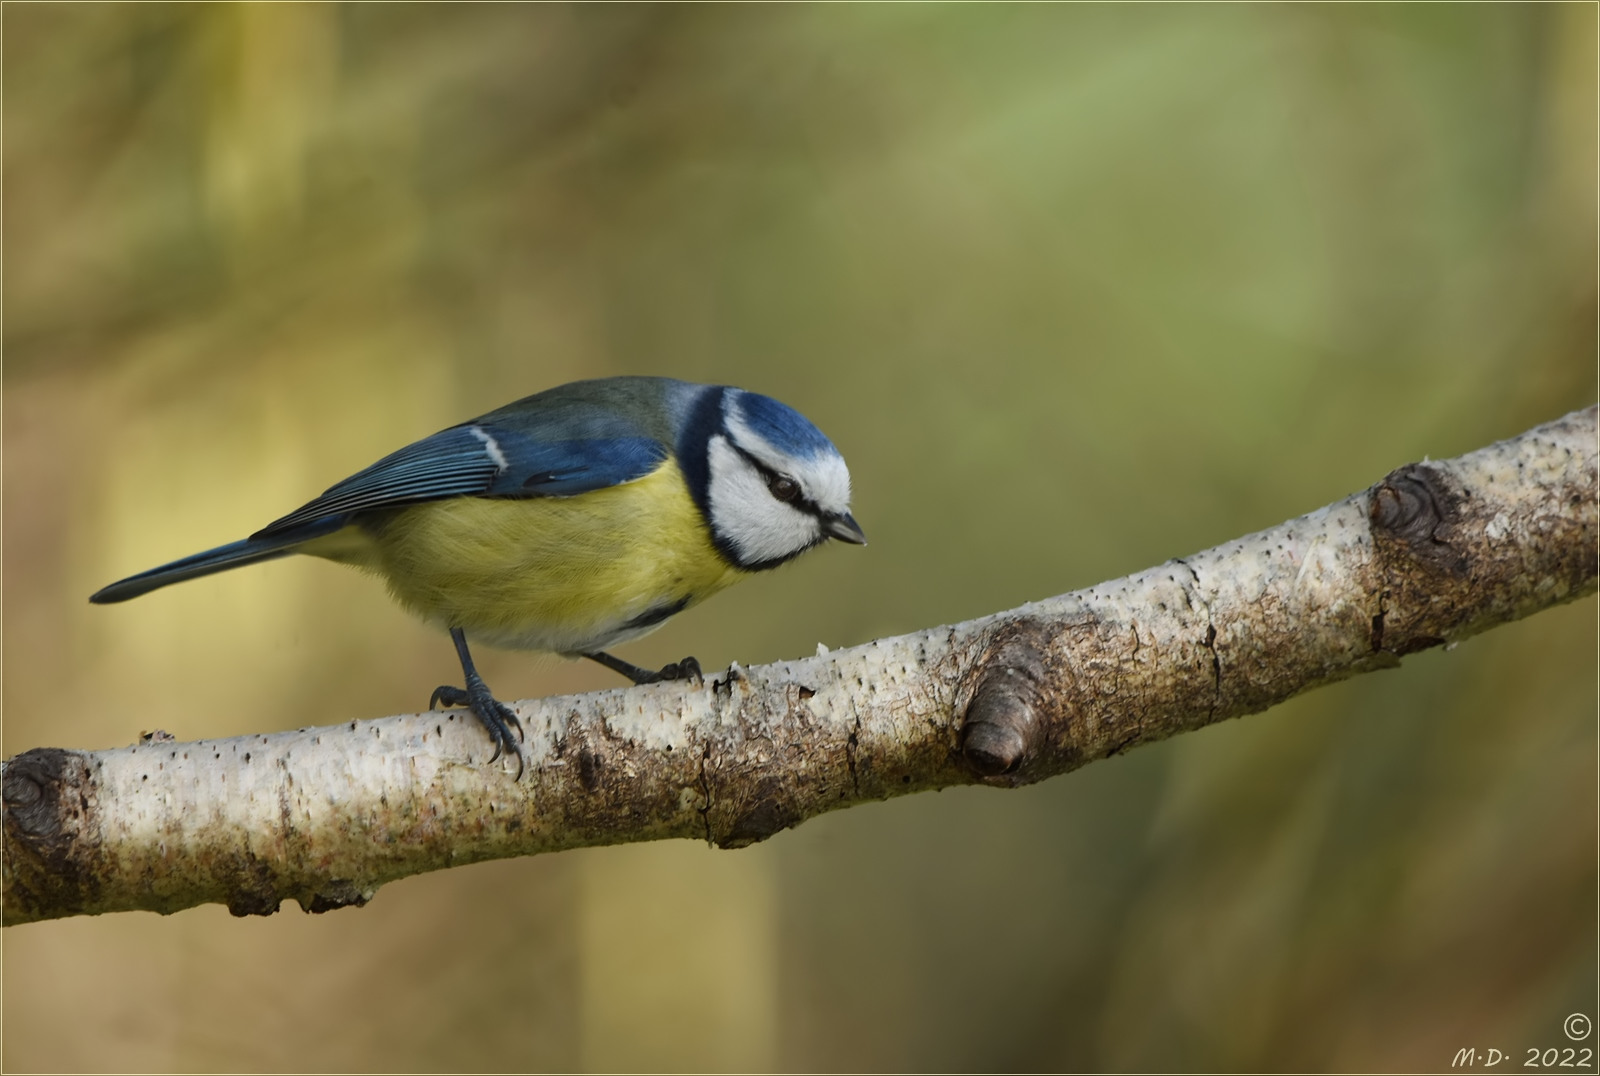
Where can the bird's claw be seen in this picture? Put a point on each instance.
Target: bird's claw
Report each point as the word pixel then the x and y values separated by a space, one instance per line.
pixel 496 717
pixel 446 697
pixel 686 669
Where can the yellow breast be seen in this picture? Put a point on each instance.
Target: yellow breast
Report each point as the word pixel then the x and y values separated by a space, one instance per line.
pixel 565 574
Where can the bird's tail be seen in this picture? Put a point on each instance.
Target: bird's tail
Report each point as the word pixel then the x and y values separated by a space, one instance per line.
pixel 220 559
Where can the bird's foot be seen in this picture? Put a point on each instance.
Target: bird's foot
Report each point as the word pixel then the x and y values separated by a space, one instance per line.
pixel 686 669
pixel 496 716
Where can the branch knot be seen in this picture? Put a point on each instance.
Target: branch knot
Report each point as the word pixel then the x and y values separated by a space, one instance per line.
pixel 1001 730
pixel 1417 506
pixel 47 804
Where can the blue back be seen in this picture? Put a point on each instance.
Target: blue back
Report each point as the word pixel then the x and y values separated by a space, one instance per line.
pixel 572 439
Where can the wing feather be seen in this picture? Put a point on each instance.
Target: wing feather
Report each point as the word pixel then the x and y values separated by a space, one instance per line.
pixel 481 460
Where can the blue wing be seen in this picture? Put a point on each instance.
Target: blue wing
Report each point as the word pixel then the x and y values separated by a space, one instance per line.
pixel 482 459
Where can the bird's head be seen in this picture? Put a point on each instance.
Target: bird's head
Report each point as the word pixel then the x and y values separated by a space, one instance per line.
pixel 775 486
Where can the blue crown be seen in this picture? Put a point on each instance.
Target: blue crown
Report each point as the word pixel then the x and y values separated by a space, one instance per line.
pixel 783 426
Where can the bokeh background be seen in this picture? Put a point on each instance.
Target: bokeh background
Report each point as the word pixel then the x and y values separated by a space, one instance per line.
pixel 1075 288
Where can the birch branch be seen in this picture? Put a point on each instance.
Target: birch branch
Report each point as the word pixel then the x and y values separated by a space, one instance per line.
pixel 1434 553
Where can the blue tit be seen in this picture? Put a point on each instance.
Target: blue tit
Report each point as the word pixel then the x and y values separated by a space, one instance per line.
pixel 569 521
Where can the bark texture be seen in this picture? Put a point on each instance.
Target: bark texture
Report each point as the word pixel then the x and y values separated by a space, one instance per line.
pixel 1435 552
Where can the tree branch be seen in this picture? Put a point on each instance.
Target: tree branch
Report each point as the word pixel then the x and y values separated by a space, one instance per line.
pixel 1434 553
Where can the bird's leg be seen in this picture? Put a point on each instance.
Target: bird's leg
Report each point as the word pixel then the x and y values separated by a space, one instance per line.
pixel 496 716
pixel 687 669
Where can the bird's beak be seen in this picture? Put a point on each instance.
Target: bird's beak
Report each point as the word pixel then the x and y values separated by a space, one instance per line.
pixel 845 528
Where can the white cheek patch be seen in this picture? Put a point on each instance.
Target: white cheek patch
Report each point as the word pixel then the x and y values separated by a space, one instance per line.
pixel 744 513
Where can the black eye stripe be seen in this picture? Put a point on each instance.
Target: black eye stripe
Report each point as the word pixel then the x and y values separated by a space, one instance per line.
pixel 801 501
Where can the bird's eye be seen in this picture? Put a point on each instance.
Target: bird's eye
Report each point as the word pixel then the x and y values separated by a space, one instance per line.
pixel 783 487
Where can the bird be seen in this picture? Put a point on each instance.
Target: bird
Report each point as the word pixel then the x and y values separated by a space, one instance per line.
pixel 569 521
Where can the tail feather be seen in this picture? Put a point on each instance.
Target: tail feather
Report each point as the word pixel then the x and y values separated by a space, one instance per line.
pixel 220 559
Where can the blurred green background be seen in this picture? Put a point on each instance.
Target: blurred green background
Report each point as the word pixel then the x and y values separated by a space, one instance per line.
pixel 1075 288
